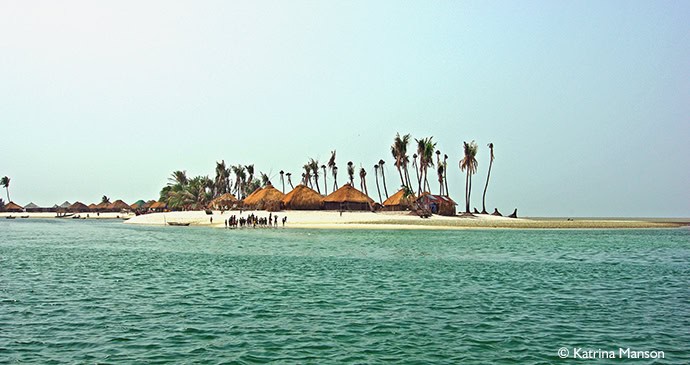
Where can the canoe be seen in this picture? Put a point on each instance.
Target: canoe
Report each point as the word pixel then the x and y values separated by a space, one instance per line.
pixel 177 224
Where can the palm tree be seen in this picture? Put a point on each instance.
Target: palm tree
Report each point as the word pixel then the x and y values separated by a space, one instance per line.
pixel 331 166
pixel 383 176
pixel 399 152
pixel 491 162
pixel 334 171
pixel 240 177
pixel 264 179
pixel 325 183
pixel 105 199
pixel 351 172
pixel 445 172
pixel 5 182
pixel 221 182
pixel 469 164
pixel 282 179
pixel 425 150
pixel 178 177
pixel 306 176
pixel 416 170
pixel 314 166
pixel 376 176
pixel 363 177
pixel 250 171
pixel 440 170
pixel 290 180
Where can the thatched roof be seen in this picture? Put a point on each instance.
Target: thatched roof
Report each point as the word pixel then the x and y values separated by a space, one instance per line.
pixel 148 204
pixel 78 207
pixel 103 206
pixel 347 194
pixel 31 206
pixel 261 197
pixel 158 205
pixel 13 207
pixel 138 204
pixel 399 199
pixel 302 197
pixel 442 199
pixel 225 200
pixel 93 206
pixel 64 205
pixel 251 196
pixel 119 205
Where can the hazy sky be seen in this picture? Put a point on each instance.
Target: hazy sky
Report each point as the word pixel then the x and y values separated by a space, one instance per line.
pixel 587 102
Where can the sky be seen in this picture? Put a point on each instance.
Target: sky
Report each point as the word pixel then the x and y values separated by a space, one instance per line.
pixel 586 102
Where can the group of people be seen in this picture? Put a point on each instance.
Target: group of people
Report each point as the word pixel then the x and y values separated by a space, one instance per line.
pixel 253 221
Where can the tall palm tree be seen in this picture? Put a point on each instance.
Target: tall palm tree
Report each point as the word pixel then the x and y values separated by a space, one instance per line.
pixel 105 199
pixel 282 179
pixel 445 173
pixel 399 152
pixel 264 179
pixel 250 171
pixel 5 182
pixel 383 176
pixel 325 183
pixel 306 176
pixel 376 176
pixel 334 171
pixel 491 162
pixel 363 177
pixel 221 182
pixel 416 170
pixel 290 180
pixel 351 172
pixel 331 166
pixel 469 164
pixel 240 178
pixel 425 150
pixel 314 166
pixel 440 170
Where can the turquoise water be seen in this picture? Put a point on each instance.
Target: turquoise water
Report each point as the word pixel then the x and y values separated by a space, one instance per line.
pixel 106 292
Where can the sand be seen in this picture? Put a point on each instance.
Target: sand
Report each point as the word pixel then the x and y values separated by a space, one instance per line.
pixel 399 220
pixel 47 215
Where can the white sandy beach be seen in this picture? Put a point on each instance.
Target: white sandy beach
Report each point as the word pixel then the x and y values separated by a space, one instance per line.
pixel 46 215
pixel 390 220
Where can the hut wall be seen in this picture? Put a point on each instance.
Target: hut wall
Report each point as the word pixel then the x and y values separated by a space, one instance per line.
pixel 346 206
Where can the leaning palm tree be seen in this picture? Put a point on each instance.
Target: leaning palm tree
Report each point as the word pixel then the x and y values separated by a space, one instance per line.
pixel 306 176
pixel 383 177
pixel 376 176
pixel 5 182
pixel 416 170
pixel 325 183
pixel 351 172
pixel 289 175
pixel 363 177
pixel 469 164
pixel 491 162
pixel 282 179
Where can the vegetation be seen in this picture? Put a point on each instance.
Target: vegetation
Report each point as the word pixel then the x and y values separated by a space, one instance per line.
pixel 469 164
pixel 185 193
pixel 5 182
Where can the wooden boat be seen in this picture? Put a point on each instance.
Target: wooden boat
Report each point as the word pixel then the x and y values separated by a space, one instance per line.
pixel 178 224
pixel 10 217
pixel 24 216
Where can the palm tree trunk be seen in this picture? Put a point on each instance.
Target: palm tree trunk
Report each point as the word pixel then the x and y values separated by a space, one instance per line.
pixel 383 176
pixel 402 180
pixel 325 183
pixel 377 185
pixel 316 180
pixel 419 182
pixel 467 195
pixel 485 187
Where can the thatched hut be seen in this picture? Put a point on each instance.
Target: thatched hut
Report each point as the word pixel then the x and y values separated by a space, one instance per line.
pixel 148 205
pixel 78 207
pixel 347 198
pixel 399 201
pixel 31 207
pixel 224 202
pixel 119 205
pixel 158 207
pixel 13 207
pixel 92 207
pixel 137 205
pixel 102 207
pixel 437 204
pixel 303 198
pixel 268 198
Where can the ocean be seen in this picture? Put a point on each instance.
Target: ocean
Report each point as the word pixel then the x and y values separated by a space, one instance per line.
pixel 102 292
